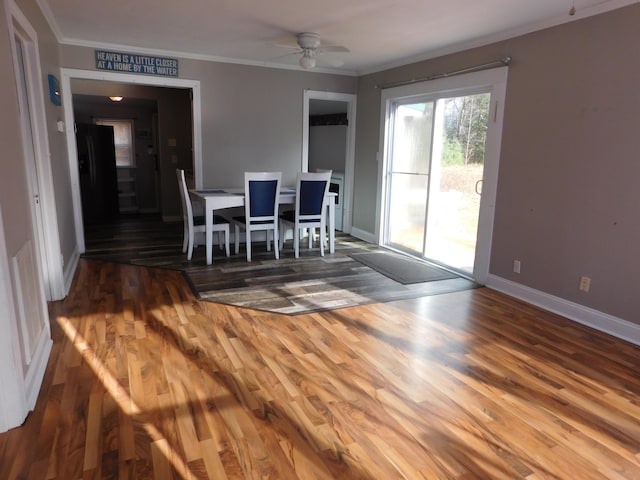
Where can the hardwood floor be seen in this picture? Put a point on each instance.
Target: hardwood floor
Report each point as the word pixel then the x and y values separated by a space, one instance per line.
pixel 147 382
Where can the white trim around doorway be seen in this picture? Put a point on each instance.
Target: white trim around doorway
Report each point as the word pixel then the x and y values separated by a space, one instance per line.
pixel 350 99
pixel 68 74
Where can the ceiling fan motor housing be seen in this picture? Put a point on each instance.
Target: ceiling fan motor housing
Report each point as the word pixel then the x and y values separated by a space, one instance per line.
pixel 308 40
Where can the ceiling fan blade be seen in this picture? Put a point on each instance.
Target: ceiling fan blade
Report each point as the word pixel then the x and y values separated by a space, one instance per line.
pixel 333 49
pixel 293 45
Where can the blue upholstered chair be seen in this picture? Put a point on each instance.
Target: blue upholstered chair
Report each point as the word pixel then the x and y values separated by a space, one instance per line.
pixel 311 201
pixel 262 193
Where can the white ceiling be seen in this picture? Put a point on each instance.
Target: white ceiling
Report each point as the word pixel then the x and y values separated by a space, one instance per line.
pixel 379 33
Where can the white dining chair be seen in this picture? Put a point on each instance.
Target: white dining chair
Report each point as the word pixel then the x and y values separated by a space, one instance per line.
pixel 261 198
pixel 312 231
pixel 311 201
pixel 194 225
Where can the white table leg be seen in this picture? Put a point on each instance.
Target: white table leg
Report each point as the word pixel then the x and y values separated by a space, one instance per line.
pixel 332 226
pixel 208 218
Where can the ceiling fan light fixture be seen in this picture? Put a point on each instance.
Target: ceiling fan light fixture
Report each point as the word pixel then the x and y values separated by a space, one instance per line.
pixel 308 59
pixel 116 98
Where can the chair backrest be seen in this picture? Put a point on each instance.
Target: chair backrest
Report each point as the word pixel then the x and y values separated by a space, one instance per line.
pixel 311 194
pixel 187 211
pixel 262 191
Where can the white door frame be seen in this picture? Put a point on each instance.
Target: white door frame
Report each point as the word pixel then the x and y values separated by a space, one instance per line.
pixel 67 74
pixel 496 81
pixel 350 99
pixel 39 171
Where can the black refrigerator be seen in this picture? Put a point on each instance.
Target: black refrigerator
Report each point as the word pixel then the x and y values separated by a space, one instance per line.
pixel 98 176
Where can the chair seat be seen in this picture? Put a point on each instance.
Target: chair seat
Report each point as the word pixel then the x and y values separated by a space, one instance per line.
pixel 243 219
pixel 290 216
pixel 199 220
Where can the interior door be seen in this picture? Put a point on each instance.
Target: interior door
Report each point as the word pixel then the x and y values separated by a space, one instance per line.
pixel 28 145
pixel 31 269
pixel 33 319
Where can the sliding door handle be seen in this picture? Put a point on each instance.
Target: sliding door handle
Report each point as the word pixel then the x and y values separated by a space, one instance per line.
pixel 479 187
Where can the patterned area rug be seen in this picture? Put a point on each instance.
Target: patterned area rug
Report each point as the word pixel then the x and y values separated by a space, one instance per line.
pixel 291 286
pixel 313 283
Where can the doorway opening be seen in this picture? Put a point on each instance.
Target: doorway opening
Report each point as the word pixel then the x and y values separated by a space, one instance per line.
pixel 328 142
pixel 154 182
pixel 131 152
pixel 440 170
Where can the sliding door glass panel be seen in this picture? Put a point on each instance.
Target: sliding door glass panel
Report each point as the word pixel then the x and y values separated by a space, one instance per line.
pixel 408 175
pixel 456 181
pixel 408 211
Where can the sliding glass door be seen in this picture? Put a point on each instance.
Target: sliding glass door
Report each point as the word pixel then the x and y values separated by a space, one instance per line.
pixel 435 156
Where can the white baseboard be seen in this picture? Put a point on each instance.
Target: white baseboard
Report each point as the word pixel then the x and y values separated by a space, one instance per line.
pixel 37 368
pixel 603 322
pixel 70 270
pixel 363 235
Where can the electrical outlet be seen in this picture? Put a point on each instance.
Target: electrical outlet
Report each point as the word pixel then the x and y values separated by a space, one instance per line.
pixel 585 283
pixel 516 266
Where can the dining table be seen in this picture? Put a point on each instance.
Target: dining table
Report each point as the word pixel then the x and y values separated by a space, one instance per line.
pixel 220 198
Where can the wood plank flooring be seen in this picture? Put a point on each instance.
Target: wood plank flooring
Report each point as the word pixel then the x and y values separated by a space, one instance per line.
pixel 147 382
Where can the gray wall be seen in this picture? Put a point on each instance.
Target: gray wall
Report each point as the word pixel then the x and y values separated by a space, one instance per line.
pixel 251 116
pixel 567 200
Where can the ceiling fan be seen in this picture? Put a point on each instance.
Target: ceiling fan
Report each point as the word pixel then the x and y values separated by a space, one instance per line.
pixel 310 47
